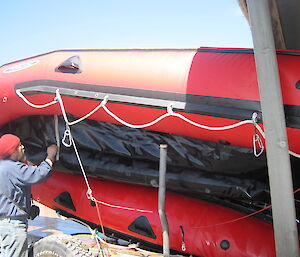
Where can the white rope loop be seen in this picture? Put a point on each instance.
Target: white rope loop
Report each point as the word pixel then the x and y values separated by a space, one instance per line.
pixel 175 114
pixel 170 112
pixel 103 103
pixel 211 128
pixel 133 125
pixel 18 92
pixel 59 99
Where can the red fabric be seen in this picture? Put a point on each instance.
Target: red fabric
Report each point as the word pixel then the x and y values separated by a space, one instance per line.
pixel 8 144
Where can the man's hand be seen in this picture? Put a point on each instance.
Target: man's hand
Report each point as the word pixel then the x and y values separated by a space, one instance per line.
pixel 51 152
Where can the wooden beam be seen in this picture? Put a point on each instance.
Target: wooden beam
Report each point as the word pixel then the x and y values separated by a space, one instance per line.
pixel 275 19
pixel 278 159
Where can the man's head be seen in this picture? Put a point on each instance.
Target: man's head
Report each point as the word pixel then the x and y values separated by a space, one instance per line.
pixel 11 147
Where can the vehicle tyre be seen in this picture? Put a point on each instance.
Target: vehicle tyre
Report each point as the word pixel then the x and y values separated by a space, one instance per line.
pixel 60 246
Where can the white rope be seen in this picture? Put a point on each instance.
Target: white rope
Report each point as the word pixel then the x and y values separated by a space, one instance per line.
pixel 132 125
pixel 58 97
pixel 62 107
pixel 211 128
pixel 72 142
pixel 102 104
pixel 294 154
pixel 34 105
pixel 171 113
pixel 68 141
pixel 89 192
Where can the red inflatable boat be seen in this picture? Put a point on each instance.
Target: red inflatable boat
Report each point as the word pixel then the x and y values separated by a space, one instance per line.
pixel 196 227
pixel 214 87
pixel 206 86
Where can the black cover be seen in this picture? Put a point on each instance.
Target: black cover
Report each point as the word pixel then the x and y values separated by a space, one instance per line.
pixel 119 153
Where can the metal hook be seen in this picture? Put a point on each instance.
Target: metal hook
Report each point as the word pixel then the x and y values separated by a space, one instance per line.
pixel 67 134
pixel 183 248
pixel 257 140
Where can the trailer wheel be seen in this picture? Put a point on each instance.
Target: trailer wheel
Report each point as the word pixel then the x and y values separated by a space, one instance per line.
pixel 60 246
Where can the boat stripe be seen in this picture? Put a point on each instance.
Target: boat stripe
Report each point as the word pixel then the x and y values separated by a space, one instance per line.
pixel 229 108
pixel 243 51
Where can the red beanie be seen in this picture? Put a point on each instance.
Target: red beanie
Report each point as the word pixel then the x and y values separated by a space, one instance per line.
pixel 8 144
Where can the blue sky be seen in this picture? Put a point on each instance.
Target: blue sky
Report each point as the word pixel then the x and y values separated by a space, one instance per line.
pixel 34 27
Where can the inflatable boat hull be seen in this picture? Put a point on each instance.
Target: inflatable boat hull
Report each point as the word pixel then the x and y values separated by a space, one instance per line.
pixel 204 229
pixel 214 87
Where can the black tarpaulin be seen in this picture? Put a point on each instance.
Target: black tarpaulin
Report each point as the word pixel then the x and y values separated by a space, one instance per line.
pixel 119 153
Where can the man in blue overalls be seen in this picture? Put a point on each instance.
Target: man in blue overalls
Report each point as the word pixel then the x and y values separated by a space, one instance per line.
pixel 16 179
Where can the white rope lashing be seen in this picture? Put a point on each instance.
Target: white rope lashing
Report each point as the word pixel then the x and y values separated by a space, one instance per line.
pixel 68 136
pixel 170 112
pixel 256 138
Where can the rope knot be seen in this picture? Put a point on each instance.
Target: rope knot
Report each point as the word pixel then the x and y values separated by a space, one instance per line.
pixel 89 194
pixel 254 117
pixel 170 109
pixel 104 101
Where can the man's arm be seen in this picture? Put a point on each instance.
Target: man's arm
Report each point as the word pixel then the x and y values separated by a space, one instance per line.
pixel 51 153
pixel 37 174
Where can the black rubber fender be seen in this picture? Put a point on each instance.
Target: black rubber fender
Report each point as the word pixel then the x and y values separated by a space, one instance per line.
pixel 60 246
